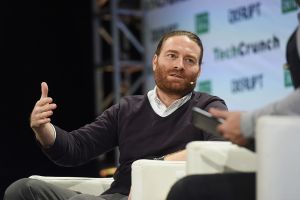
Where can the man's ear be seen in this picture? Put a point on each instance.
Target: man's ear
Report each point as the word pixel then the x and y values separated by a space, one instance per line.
pixel 154 62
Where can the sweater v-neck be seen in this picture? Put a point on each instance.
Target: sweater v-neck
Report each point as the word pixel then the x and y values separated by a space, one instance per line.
pixel 174 113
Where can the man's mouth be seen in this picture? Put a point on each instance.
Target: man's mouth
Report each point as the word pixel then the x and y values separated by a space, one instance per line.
pixel 176 75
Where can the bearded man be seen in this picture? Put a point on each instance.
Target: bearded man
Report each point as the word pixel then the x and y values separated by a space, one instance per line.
pixel 157 125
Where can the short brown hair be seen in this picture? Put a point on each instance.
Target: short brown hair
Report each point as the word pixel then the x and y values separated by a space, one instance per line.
pixel 190 35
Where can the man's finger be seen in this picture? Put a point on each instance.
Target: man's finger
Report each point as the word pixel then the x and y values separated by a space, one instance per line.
pixel 45 108
pixel 38 123
pixel 44 90
pixel 220 129
pixel 44 101
pixel 218 113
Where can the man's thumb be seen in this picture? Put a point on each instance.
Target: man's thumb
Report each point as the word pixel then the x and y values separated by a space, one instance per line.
pixel 44 90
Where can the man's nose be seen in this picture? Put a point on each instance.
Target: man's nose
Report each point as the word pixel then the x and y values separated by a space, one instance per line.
pixel 179 64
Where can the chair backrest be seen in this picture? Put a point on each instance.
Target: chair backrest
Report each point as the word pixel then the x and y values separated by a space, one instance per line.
pixel 278 149
pixel 153 179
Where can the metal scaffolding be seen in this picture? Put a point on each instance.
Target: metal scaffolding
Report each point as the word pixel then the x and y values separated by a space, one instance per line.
pixel 118 52
pixel 112 22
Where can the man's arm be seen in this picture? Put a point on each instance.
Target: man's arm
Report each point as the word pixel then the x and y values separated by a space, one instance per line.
pixel 238 125
pixel 40 118
pixel 287 106
pixel 177 156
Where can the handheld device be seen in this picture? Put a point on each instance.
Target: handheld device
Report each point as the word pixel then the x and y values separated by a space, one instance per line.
pixel 205 121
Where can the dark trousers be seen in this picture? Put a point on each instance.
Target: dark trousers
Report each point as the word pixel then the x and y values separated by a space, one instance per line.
pixel 227 186
pixel 31 189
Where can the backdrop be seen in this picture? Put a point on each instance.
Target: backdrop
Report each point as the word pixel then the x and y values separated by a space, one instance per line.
pixel 244 45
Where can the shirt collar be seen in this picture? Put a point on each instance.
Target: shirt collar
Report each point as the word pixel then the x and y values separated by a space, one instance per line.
pixel 175 103
pixel 160 108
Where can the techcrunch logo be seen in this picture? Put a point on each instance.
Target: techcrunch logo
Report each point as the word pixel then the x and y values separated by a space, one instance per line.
pixel 244 49
pixel 153 4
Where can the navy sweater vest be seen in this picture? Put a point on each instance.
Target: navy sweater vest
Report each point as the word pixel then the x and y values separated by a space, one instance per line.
pixel 138 131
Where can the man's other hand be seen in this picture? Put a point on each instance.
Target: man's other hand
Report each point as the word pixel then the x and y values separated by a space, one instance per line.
pixel 230 129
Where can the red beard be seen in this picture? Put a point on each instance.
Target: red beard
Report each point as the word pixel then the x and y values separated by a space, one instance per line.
pixel 179 85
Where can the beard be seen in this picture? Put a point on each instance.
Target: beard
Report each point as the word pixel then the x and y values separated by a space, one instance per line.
pixel 179 87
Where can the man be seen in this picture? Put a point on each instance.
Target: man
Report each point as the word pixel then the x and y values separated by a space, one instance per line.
pixel 151 126
pixel 239 127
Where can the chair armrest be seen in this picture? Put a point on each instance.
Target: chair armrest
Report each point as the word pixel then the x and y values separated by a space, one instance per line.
pixel 278 149
pixel 207 157
pixel 94 186
pixel 152 179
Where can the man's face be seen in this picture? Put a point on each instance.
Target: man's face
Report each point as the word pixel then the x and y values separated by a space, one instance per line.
pixel 176 68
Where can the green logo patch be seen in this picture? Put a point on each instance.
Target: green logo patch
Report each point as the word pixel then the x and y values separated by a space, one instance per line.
pixel 202 23
pixel 288 6
pixel 287 78
pixel 205 86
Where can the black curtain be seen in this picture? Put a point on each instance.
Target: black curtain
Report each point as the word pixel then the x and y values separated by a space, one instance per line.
pixel 49 40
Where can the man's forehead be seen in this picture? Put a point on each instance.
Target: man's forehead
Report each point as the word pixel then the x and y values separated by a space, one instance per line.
pixel 181 42
pixel 179 38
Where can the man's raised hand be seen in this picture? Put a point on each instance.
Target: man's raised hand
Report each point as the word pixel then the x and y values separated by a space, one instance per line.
pixel 42 110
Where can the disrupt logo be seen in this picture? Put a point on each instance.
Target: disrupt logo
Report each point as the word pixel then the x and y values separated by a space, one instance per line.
pixel 247 83
pixel 243 48
pixel 244 12
pixel 288 6
pixel 153 4
pixel 202 23
pixel 157 33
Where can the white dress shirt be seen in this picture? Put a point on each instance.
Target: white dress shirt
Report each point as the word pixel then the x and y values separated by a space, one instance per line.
pixel 160 108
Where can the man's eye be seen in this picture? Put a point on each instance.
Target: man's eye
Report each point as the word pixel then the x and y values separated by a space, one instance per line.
pixel 171 55
pixel 190 61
